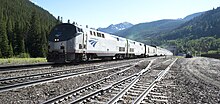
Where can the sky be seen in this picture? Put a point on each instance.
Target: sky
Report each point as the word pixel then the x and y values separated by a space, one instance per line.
pixel 102 13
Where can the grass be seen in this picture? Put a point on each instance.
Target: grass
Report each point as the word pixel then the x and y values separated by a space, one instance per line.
pixel 212 52
pixel 17 61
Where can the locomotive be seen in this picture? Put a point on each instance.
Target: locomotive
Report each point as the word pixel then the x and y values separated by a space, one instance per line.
pixel 73 43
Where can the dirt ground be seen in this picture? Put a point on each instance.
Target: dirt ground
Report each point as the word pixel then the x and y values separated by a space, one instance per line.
pixel 195 81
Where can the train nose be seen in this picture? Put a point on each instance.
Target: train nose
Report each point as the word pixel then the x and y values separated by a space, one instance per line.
pixel 57 46
pixel 56 57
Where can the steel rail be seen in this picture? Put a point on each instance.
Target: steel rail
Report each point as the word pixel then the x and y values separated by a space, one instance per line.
pixel 121 93
pixel 12 67
pixel 83 87
pixel 46 80
pixel 102 89
pixel 148 90
pixel 62 97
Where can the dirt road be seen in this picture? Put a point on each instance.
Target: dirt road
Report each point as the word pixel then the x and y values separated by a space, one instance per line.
pixel 195 80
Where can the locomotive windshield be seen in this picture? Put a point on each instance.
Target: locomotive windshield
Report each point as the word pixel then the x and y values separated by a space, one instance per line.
pixel 62 32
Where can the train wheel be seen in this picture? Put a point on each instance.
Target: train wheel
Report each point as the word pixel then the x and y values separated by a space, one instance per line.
pixel 85 57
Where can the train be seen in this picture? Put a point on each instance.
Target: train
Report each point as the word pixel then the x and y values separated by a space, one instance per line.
pixel 73 43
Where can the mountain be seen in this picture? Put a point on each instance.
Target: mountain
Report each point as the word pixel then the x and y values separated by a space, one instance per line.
pixel 115 28
pixel 189 17
pixel 199 35
pixel 24 28
pixel 145 31
pixel 208 24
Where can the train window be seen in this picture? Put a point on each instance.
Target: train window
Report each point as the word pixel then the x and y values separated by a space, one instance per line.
pixel 63 31
pixel 148 50
pixel 78 29
pixel 131 49
pixel 80 46
pixel 121 49
pixel 90 32
pixel 98 34
pixel 94 33
pixel 103 35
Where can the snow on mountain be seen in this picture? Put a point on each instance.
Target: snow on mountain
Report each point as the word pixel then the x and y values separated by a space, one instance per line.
pixel 115 28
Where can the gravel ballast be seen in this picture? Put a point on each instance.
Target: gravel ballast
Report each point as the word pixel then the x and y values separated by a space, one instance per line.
pixel 189 81
pixel 42 92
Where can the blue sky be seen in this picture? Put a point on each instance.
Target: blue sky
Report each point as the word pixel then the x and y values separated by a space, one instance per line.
pixel 101 13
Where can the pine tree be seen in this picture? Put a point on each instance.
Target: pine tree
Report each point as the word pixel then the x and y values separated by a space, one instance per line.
pixel 21 45
pixel 10 50
pixel 34 37
pixel 0 53
pixel 3 38
pixel 14 44
pixel 20 48
pixel 9 30
pixel 15 39
pixel 17 22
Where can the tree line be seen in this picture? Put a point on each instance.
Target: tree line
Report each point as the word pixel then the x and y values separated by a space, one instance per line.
pixel 197 46
pixel 199 35
pixel 24 29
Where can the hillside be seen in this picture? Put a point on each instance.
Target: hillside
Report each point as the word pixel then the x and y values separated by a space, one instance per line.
pixel 205 25
pixel 191 16
pixel 24 28
pixel 145 32
pixel 199 35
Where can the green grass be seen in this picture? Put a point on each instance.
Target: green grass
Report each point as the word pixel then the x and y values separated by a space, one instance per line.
pixel 17 61
pixel 212 52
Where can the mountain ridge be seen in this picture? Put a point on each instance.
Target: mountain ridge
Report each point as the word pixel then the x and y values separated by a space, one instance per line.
pixel 142 31
pixel 115 28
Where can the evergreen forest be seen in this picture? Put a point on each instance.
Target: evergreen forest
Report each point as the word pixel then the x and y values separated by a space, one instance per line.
pixel 24 28
pixel 198 36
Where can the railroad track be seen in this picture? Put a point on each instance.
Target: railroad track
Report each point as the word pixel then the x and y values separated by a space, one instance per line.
pixel 8 72
pixel 153 92
pixel 30 80
pixel 135 92
pixel 47 65
pixel 53 70
pixel 114 89
pixel 16 67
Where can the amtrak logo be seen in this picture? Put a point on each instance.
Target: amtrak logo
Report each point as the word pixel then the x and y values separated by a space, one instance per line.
pixel 58 34
pixel 93 41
